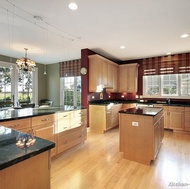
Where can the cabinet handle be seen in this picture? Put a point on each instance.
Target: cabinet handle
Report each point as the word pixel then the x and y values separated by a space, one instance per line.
pixel 65 116
pixel 46 119
pixel 15 125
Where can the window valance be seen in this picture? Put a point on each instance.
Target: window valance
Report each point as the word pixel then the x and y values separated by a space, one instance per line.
pixel 172 64
pixel 70 68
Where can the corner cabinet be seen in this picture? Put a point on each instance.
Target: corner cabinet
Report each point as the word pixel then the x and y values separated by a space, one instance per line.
pixel 103 73
pixel 128 75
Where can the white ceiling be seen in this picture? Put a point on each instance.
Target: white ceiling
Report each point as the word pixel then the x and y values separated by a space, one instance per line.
pixel 146 28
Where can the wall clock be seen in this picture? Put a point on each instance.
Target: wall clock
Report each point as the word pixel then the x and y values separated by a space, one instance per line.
pixel 83 71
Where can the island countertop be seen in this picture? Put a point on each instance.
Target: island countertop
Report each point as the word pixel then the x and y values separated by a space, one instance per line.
pixel 147 111
pixel 11 154
pixel 19 113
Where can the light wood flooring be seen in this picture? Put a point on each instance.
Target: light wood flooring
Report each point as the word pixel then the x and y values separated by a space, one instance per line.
pixel 98 164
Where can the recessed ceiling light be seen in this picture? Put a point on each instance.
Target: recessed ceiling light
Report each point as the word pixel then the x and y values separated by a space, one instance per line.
pixel 73 6
pixel 122 47
pixel 184 35
pixel 168 53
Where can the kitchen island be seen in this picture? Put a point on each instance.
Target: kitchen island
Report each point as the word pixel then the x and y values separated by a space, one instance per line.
pixel 141 133
pixel 24 164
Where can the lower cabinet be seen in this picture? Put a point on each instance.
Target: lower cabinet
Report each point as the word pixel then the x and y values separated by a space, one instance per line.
pixel 71 129
pixel 140 143
pixel 187 118
pixel 43 126
pixel 66 129
pixel 70 138
pixel 103 117
pixel 174 117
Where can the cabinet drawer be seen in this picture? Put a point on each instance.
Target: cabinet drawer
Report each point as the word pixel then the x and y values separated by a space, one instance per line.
pixel 63 125
pixel 67 140
pixel 78 113
pixel 18 124
pixel 176 108
pixel 64 115
pixel 187 109
pixel 40 120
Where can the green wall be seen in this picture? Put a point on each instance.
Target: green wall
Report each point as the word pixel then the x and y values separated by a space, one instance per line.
pixel 53 83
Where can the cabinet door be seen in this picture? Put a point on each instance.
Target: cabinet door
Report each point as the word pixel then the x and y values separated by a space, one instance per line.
pixel 95 74
pixel 187 118
pixel 132 79
pixel 122 81
pixel 46 132
pixel 97 118
pixel 128 74
pixel 166 119
pixel 176 120
pixel 115 78
pixel 43 127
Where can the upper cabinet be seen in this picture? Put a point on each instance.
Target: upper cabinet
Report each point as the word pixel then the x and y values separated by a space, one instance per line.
pixel 103 73
pixel 127 80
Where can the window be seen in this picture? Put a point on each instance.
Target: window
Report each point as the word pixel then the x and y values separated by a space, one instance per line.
pixel 71 91
pixel 25 86
pixel 185 84
pixel 5 84
pixel 169 85
pixel 17 86
pixel 152 85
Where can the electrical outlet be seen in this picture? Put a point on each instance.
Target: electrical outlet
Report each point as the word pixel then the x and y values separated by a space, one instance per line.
pixel 135 124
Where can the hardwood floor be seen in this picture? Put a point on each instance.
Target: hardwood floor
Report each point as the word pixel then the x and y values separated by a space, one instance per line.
pixel 98 164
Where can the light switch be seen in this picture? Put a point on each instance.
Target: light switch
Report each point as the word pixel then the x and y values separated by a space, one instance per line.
pixel 135 123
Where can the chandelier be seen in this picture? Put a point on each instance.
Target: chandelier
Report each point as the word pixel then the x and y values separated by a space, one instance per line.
pixel 25 63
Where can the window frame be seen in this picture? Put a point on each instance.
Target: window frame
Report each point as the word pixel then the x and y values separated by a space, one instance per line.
pixel 62 82
pixel 14 83
pixel 179 94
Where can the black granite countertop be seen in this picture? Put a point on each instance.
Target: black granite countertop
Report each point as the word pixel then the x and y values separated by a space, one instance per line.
pixel 147 111
pixel 10 154
pixel 18 113
pixel 139 102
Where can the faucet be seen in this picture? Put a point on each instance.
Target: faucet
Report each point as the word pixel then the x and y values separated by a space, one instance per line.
pixel 168 101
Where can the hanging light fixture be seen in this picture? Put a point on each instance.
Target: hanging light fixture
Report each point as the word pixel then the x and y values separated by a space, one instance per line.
pixel 25 63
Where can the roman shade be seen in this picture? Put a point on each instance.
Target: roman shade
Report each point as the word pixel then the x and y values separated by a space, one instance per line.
pixel 70 68
pixel 172 64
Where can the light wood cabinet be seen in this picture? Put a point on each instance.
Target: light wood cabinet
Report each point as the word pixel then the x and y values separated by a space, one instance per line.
pixel 43 126
pixel 128 105
pixel 33 172
pixel 140 143
pixel 187 119
pixel 71 129
pixel 71 138
pixel 174 117
pixel 23 125
pixel 103 117
pixel 128 75
pixel 102 74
